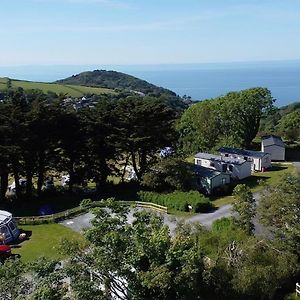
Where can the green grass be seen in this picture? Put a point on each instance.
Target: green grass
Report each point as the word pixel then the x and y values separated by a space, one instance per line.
pixel 69 90
pixel 223 201
pixel 272 177
pixel 45 241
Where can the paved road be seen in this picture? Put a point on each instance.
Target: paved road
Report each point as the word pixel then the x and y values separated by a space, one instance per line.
pixel 297 165
pixel 83 221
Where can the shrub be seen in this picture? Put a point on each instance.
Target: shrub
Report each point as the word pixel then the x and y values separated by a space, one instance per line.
pixel 178 200
pixel 85 203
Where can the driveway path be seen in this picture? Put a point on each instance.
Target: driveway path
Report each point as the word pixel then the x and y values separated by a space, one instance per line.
pixel 297 165
pixel 83 221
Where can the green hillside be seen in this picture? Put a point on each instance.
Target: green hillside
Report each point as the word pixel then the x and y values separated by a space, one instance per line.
pixel 69 90
pixel 118 80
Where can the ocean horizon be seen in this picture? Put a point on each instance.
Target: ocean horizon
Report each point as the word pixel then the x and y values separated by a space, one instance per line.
pixel 199 81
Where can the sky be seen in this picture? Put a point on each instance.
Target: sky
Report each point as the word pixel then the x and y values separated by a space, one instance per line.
pixel 133 32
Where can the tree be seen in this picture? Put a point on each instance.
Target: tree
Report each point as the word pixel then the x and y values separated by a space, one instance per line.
pixel 140 257
pixel 289 125
pixel 231 120
pixel 169 174
pixel 279 211
pixel 143 126
pixel 245 207
pixel 199 127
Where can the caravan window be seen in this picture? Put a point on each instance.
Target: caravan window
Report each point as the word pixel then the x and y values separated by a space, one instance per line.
pixel 230 167
pixel 12 226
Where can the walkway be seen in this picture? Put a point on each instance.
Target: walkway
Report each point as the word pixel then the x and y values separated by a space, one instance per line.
pixel 84 221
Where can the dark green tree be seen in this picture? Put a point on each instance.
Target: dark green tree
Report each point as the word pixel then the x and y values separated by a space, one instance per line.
pixel 245 206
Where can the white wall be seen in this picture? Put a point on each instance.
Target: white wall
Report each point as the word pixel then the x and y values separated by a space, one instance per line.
pixel 238 171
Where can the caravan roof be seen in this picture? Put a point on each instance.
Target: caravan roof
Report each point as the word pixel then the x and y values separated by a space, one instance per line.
pixel 4 216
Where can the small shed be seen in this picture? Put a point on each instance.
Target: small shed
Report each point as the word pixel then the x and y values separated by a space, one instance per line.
pixel 209 179
pixel 8 228
pixel 260 161
pixel 274 145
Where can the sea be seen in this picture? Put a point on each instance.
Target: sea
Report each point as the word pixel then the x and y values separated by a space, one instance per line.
pixel 199 81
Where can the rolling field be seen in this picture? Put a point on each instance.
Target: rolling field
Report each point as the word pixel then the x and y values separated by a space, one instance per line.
pixel 68 90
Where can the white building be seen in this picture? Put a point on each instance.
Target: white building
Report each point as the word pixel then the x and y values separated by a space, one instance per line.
pixel 274 145
pixel 260 161
pixel 237 168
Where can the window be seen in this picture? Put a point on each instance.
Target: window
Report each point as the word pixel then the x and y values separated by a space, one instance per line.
pixel 224 167
pixel 11 226
pixel 212 164
pixel 199 162
pixel 230 168
pixel 223 181
pixel 226 154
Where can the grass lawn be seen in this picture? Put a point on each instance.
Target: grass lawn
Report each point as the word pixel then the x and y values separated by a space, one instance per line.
pixel 272 177
pixel 70 90
pixel 45 241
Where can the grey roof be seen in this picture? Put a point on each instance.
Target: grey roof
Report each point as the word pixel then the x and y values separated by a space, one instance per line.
pixel 270 140
pixel 206 172
pixel 242 152
pixel 229 160
pixel 4 216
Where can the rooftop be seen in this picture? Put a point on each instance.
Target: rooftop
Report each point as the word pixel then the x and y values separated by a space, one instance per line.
pixel 242 152
pixel 229 160
pixel 205 172
pixel 4 216
pixel 270 140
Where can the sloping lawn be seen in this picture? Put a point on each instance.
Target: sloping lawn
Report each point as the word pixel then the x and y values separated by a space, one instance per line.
pixel 272 177
pixel 45 241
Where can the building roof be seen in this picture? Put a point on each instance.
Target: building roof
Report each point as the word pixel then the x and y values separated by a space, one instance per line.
pixel 270 140
pixel 4 216
pixel 242 152
pixel 212 157
pixel 206 172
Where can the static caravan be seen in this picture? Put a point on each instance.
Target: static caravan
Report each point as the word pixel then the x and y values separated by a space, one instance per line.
pixel 237 168
pixel 8 228
pixel 209 179
pixel 260 161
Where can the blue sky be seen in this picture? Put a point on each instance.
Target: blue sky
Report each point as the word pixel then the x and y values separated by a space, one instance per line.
pixel 81 32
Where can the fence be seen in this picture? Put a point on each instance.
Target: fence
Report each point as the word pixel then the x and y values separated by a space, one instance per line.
pixel 297 289
pixel 35 220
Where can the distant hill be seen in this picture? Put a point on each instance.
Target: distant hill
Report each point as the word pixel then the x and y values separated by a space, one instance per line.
pixel 115 80
pixel 284 110
pixel 69 90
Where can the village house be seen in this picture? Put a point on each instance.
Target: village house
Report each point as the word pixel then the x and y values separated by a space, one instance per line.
pixel 260 161
pixel 274 145
pixel 207 180
pixel 237 168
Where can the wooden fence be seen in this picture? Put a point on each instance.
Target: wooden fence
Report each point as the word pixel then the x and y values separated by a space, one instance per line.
pixel 35 220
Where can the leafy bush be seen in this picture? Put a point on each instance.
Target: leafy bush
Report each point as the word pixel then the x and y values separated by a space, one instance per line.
pixel 178 200
pixel 85 203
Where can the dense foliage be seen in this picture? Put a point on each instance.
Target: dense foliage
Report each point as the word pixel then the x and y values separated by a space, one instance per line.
pixel 39 136
pixel 179 200
pixel 231 120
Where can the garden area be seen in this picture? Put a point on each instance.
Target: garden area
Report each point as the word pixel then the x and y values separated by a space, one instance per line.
pixel 44 240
